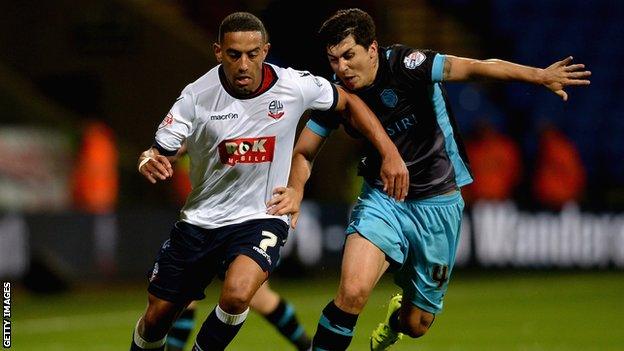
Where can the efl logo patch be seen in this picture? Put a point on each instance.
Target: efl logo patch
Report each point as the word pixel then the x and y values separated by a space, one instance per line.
pixel 167 121
pixel 276 109
pixel 414 59
pixel 247 150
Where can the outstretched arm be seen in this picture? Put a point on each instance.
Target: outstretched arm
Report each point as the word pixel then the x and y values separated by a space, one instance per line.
pixel 394 173
pixel 554 77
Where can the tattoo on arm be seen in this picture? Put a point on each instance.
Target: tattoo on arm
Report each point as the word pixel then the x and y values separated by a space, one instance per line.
pixel 447 69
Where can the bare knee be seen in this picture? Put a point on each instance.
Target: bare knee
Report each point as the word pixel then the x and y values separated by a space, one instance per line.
pixel 416 331
pixel 414 321
pixel 352 298
pixel 235 297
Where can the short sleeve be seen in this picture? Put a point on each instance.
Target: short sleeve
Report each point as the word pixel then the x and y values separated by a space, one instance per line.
pixel 322 123
pixel 177 125
pixel 318 92
pixel 421 65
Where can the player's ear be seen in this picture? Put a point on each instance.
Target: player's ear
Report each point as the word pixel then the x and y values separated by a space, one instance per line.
pixel 372 49
pixel 218 52
pixel 265 49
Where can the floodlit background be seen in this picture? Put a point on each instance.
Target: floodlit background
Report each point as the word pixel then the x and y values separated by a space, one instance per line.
pixel 83 85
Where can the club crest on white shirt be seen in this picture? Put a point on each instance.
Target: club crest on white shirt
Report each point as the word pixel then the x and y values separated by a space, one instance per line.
pixel 276 109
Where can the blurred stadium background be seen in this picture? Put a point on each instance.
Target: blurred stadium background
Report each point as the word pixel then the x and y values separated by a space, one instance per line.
pixel 83 85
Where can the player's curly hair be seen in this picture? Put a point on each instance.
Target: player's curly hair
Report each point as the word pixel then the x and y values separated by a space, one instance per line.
pixel 347 22
pixel 242 22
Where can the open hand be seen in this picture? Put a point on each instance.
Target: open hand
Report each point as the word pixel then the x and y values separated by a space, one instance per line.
pixel 561 74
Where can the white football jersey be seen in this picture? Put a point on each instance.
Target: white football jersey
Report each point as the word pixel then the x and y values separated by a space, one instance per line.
pixel 240 148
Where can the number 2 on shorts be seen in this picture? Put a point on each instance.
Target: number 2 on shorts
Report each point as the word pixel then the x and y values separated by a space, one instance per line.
pixel 269 240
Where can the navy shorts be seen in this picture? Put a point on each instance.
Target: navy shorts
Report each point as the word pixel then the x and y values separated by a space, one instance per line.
pixel 192 256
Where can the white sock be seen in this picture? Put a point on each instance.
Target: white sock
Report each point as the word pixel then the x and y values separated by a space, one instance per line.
pixel 147 345
pixel 231 319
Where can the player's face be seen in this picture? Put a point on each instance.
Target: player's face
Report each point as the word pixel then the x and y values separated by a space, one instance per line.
pixel 242 55
pixel 355 65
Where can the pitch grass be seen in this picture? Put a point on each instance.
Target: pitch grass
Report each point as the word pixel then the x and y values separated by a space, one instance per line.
pixel 486 310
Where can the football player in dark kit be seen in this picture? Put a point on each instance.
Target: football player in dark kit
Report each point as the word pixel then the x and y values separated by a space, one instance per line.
pixel 416 238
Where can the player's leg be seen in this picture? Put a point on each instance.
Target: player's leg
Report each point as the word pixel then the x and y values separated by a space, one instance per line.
pixel 412 320
pixel 281 315
pixel 425 275
pixel 363 264
pixel 400 319
pixel 182 328
pixel 180 274
pixel 242 280
pixel 152 327
pixel 251 255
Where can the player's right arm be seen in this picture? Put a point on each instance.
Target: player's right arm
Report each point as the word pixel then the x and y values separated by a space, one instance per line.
pixel 169 142
pixel 287 200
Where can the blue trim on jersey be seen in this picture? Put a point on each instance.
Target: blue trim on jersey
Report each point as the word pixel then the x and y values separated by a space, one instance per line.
pixel 318 129
pixel 288 313
pixel 437 70
pixel 334 328
pixel 462 176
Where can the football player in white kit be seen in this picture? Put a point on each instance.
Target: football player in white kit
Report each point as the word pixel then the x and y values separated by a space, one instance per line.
pixel 239 122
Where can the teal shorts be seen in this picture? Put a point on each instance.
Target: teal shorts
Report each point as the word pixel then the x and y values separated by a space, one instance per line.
pixel 418 236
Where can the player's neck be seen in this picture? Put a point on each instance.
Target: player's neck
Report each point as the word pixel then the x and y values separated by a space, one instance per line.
pixel 373 75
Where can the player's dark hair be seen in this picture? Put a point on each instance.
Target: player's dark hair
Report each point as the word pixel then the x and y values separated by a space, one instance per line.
pixel 242 22
pixel 348 22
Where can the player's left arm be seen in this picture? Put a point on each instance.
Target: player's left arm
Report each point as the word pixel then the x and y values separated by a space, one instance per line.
pixel 394 173
pixel 287 200
pixel 555 77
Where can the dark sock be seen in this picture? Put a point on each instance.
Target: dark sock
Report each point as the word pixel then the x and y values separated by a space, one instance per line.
pixel 335 329
pixel 181 330
pixel 285 321
pixel 218 330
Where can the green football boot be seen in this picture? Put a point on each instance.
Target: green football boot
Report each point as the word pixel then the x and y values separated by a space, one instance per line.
pixel 383 336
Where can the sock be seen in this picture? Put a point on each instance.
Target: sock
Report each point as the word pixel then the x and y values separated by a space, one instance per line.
pixel 138 343
pixel 334 330
pixel 181 330
pixel 286 322
pixel 218 330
